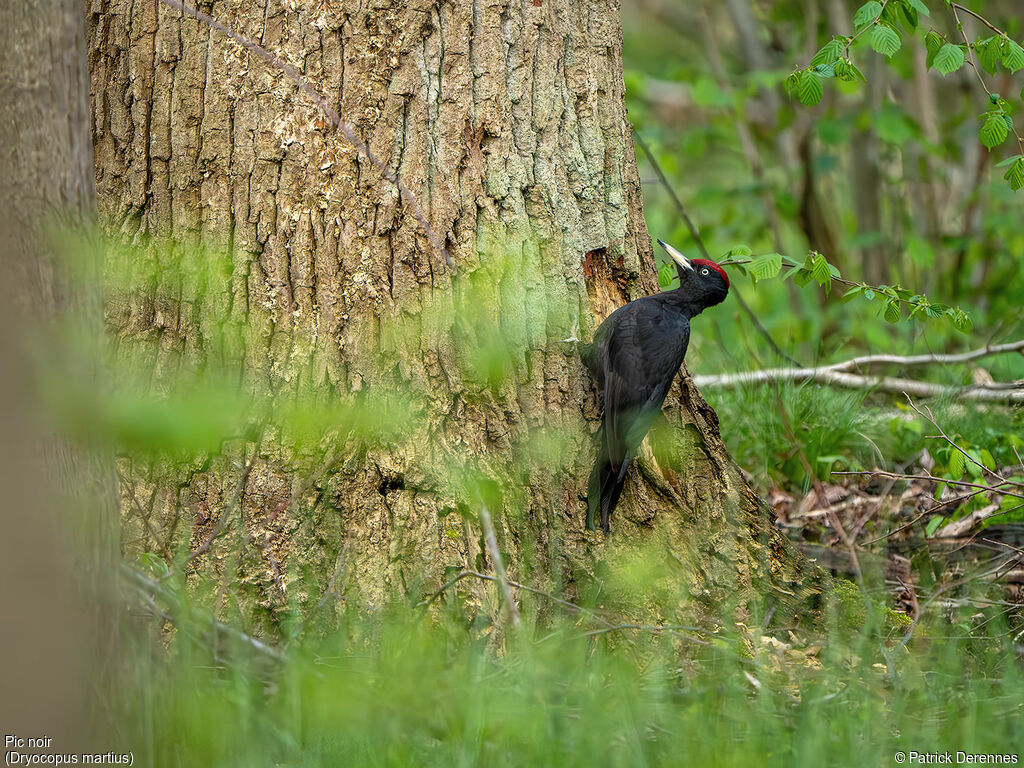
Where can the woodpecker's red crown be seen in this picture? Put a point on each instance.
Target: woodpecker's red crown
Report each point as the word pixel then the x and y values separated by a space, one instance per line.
pixel 712 265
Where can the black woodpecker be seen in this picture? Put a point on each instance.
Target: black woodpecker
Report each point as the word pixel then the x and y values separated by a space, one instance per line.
pixel 635 354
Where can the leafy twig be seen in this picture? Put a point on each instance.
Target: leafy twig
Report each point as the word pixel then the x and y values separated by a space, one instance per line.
pixel 695 234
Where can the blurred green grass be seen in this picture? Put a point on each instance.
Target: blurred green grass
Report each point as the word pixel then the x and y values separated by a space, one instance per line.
pixel 402 687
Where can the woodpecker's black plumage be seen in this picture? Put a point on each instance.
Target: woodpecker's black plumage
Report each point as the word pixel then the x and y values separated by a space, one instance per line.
pixel 635 354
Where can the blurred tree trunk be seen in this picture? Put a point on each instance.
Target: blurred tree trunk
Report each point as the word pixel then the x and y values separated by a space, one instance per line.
pixel 58 556
pixel 867 183
pixel 508 123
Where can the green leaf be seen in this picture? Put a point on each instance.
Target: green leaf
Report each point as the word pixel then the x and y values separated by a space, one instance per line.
pixel 810 91
pixel 1013 55
pixel 961 320
pixel 1008 161
pixel 985 457
pixel 867 13
pixel 949 58
pixel 893 311
pixel 918 6
pixel 886 40
pixel 665 275
pixel 820 271
pixel 853 292
pixel 828 54
pixel 848 72
pixel 957 463
pixel 869 294
pixel 933 42
pixel 1015 174
pixel 154 564
pixel 902 15
pixel 933 525
pixel 792 85
pixel 989 52
pixel 766 266
pixel 994 130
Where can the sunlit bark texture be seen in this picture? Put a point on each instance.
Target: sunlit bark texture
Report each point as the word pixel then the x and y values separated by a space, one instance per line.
pixel 507 121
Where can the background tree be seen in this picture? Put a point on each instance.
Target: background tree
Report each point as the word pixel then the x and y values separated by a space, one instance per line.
pixel 59 553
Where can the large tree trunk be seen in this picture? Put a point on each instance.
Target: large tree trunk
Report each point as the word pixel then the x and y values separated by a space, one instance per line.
pixel 58 549
pixel 508 123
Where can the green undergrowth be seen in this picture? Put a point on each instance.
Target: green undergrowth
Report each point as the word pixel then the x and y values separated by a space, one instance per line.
pixel 776 431
pixel 403 685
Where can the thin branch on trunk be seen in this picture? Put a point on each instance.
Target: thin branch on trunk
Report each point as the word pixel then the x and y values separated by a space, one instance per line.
pixel 607 626
pixel 149 590
pixel 225 518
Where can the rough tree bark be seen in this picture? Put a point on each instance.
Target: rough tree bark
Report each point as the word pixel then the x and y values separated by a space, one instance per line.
pixel 508 122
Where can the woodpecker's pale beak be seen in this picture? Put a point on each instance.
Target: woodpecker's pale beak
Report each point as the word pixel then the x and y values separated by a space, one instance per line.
pixel 677 257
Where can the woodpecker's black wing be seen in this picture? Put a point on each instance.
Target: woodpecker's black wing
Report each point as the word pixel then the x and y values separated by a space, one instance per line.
pixel 637 352
pixel 642 356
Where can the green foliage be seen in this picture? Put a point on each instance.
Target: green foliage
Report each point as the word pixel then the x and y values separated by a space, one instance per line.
pixel 868 13
pixel 997 124
pixel 816 267
pixel 401 686
pixel 828 426
pixel 764 267
pixel 948 59
pixel 885 40
pixel 880 23
pixel 1014 171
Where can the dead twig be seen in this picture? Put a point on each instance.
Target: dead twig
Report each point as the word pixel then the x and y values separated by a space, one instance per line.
pixel 222 523
pixel 944 436
pixel 838 374
pixel 499 567
pixel 149 590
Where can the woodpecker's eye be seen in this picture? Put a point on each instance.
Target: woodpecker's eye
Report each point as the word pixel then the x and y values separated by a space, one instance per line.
pixel 705 271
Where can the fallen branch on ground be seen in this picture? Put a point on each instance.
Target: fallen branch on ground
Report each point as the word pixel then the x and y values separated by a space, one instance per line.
pixel 838 374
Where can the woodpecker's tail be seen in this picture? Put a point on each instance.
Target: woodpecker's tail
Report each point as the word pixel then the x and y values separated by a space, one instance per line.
pixel 604 488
